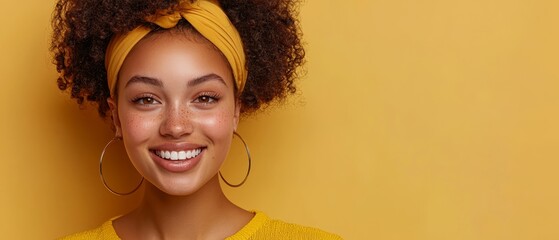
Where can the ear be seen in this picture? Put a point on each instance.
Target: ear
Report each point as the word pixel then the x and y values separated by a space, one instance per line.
pixel 237 114
pixel 114 115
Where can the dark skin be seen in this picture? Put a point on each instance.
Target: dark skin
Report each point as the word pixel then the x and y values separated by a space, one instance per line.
pixel 175 111
pixel 207 214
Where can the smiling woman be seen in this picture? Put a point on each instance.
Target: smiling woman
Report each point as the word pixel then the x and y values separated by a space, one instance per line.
pixel 175 77
pixel 172 98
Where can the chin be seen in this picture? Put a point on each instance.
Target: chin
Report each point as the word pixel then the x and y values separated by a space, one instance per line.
pixel 185 187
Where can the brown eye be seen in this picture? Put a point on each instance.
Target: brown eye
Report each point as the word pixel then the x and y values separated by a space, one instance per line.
pixel 145 101
pixel 206 99
pixel 148 100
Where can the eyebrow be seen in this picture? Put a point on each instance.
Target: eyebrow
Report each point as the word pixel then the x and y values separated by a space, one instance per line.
pixel 143 79
pixel 205 78
pixel 158 83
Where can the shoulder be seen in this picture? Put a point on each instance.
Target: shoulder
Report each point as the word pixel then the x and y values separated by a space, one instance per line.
pixel 294 231
pixel 105 231
pixel 262 227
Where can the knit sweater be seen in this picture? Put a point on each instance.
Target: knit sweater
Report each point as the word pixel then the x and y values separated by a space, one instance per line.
pixel 260 227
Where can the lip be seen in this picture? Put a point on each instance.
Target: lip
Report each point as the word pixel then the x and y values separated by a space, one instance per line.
pixel 179 165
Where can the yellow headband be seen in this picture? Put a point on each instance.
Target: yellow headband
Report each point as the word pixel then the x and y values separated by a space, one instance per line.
pixel 206 17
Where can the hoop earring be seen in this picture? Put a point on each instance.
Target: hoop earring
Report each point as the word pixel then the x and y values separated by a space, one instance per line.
pixel 249 164
pixel 103 179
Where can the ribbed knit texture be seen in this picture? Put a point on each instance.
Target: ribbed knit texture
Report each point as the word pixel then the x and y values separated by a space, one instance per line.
pixel 260 227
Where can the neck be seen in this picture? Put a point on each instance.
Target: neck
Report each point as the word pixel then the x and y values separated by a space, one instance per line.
pixel 205 214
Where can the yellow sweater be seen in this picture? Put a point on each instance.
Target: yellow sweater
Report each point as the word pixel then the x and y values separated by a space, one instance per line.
pixel 260 227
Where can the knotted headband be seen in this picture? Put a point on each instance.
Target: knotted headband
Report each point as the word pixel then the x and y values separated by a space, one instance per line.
pixel 206 17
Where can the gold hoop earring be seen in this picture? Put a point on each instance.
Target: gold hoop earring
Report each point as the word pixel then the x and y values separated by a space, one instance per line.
pixel 103 179
pixel 249 165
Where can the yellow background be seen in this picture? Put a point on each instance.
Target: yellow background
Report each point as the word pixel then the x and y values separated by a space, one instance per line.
pixel 417 120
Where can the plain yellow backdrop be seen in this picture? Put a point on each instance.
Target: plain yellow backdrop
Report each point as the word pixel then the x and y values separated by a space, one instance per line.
pixel 417 120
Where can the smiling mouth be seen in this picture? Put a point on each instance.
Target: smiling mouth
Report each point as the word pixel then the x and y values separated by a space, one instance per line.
pixel 178 155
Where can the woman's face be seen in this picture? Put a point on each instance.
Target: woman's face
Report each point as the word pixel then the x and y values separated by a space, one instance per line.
pixel 176 110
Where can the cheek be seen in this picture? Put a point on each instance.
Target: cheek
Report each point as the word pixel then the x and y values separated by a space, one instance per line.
pixel 218 126
pixel 137 127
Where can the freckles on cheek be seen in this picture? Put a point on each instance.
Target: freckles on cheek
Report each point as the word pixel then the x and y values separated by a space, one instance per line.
pixel 137 127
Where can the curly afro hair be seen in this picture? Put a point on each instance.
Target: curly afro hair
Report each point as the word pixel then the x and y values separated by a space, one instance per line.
pixel 269 30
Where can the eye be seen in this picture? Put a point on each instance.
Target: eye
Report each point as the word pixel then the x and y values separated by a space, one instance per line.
pixel 207 98
pixel 147 100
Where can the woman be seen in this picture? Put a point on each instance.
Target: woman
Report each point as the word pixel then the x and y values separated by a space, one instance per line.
pixel 175 77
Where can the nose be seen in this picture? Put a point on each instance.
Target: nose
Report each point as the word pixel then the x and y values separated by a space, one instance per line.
pixel 176 122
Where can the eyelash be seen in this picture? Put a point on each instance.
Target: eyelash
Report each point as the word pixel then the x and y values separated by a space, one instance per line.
pixel 212 98
pixel 139 99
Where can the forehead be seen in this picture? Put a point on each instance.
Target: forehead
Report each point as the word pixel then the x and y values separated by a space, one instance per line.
pixel 174 54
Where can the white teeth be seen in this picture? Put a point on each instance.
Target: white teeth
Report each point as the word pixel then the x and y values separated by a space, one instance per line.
pixel 180 155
